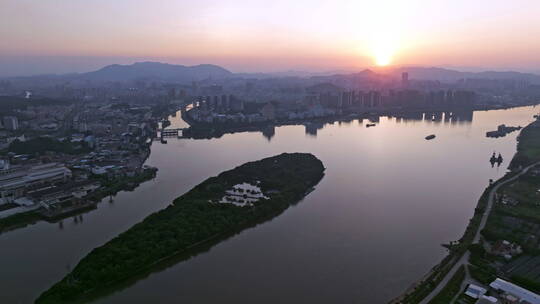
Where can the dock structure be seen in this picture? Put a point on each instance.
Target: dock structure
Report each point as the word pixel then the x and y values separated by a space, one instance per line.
pixel 172 132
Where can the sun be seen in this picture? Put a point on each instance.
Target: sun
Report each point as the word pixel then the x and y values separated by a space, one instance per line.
pixel 380 33
pixel 384 49
pixel 383 59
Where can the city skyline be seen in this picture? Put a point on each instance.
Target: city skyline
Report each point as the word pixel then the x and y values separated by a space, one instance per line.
pixel 72 36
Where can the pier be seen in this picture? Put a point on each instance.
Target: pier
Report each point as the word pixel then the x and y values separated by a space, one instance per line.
pixel 172 132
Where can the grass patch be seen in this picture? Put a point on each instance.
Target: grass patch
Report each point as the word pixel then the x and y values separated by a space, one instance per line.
pixel 8 206
pixel 482 275
pixel 528 149
pixel 451 289
pixel 526 283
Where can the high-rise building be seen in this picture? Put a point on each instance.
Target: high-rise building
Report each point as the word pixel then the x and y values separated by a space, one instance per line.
pixel 404 79
pixel 236 105
pixel 225 102
pixel 268 111
pixel 172 93
pixel 11 123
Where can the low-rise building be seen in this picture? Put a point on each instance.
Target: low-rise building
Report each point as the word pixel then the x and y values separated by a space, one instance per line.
pixel 487 300
pixel 61 194
pixel 510 292
pixel 509 201
pixel 475 291
pixel 11 123
pixel 15 184
pixel 506 249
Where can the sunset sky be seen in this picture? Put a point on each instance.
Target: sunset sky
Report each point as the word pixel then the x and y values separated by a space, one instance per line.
pixel 58 36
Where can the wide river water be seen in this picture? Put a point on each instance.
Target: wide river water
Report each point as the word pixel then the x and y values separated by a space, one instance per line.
pixel 373 226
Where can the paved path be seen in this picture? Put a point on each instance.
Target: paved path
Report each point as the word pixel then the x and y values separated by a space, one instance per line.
pixel 465 258
pixel 466 281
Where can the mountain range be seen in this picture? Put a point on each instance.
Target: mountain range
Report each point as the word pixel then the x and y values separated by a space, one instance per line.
pixel 156 71
pixel 448 75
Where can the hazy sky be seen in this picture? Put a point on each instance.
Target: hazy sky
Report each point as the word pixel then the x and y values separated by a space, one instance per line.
pixel 39 36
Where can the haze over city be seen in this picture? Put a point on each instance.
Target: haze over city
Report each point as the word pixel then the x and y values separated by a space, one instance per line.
pixel 235 151
pixel 66 36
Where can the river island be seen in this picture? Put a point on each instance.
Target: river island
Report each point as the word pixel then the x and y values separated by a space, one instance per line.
pixel 221 205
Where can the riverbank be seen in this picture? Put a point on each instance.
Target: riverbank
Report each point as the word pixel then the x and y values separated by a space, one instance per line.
pixel 107 188
pixel 421 289
pixel 526 157
pixel 199 130
pixel 193 218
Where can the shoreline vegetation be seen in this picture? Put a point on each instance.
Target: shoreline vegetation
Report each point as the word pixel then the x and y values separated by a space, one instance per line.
pixel 194 219
pixel 528 153
pixel 419 290
pixel 451 289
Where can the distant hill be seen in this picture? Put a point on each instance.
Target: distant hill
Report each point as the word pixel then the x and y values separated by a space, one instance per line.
pixel 426 73
pixel 441 74
pixel 368 78
pixel 158 71
pixel 290 74
pixel 367 73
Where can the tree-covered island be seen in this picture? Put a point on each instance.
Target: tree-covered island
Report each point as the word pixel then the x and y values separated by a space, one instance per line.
pixel 229 202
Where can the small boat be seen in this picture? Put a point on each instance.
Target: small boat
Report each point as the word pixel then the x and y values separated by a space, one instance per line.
pixel 493 158
pixel 370 125
pixel 430 137
pixel 496 159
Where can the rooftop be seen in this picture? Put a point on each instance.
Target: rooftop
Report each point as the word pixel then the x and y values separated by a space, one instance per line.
pixel 520 292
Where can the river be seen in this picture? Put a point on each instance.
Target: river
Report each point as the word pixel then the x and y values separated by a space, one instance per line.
pixel 373 226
